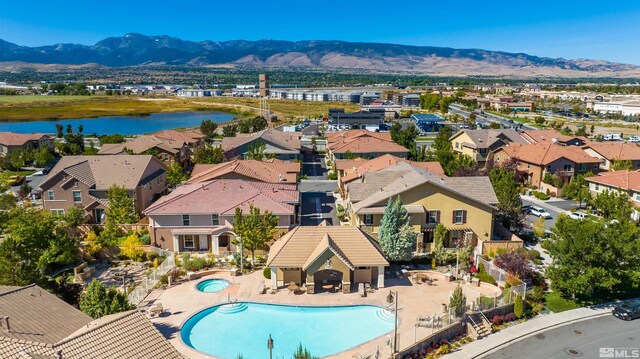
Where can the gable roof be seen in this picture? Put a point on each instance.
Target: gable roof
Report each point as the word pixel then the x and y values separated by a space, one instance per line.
pixel 616 150
pixel 101 172
pixel 19 139
pixel 627 180
pixel 179 136
pixel 477 189
pixel 341 136
pixel 301 244
pixel 271 171
pixel 359 190
pixel 385 161
pixel 141 144
pixel 486 138
pixel 544 153
pixel 286 141
pixel 541 136
pixel 223 196
pixel 364 141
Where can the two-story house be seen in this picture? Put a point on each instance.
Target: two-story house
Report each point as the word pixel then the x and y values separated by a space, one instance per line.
pixel 537 159
pixel 624 181
pixel 200 216
pixel 362 143
pixel 270 171
pixel 553 136
pixel 282 145
pixel 478 144
pixel 610 152
pixel 464 205
pixel 83 181
pixel 13 141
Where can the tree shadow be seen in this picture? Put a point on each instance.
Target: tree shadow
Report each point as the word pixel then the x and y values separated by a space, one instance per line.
pixel 167 330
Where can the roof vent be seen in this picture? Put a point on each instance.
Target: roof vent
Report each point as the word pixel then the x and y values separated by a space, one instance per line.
pixel 554 140
pixel 5 324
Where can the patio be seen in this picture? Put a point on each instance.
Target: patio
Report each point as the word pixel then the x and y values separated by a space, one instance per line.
pixel 416 301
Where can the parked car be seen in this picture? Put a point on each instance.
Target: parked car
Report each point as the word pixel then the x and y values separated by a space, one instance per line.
pixel 627 311
pixel 15 180
pixel 578 215
pixel 634 139
pixel 526 209
pixel 540 212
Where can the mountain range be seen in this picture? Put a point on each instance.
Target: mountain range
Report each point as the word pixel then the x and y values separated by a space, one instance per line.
pixel 137 50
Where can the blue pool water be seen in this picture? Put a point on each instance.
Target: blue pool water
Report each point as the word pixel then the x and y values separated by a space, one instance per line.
pixel 124 125
pixel 228 330
pixel 212 285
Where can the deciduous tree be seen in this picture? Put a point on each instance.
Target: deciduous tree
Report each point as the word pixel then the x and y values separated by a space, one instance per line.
pixel 254 229
pixel 509 201
pixel 175 174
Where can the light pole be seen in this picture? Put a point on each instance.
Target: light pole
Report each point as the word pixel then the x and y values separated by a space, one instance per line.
pixel 241 258
pixel 390 298
pixel 270 346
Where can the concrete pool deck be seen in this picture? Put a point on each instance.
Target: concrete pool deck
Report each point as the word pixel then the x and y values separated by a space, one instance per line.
pixel 183 300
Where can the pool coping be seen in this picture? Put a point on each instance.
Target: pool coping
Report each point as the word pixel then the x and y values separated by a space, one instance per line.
pixel 283 305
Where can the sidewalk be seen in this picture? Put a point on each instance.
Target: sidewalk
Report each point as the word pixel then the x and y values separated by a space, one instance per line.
pixel 494 342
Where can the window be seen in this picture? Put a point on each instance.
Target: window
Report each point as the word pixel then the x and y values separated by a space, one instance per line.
pixel 637 196
pixel 433 217
pixel 595 166
pixel 215 220
pixel 597 188
pixel 568 168
pixel 77 196
pixel 483 151
pixel 368 219
pixel 582 167
pixel 528 166
pixel 457 145
pixel 548 168
pixel 187 241
pixel 186 220
pixel 51 195
pixel 459 216
pixel 57 212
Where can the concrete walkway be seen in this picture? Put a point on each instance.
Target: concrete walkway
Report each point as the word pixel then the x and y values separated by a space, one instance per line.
pixel 505 337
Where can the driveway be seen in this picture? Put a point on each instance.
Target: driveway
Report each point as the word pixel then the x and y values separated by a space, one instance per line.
pixel 554 207
pixel 316 192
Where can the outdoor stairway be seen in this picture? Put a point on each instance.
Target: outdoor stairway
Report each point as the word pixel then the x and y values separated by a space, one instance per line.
pixel 386 315
pixel 232 308
pixel 482 330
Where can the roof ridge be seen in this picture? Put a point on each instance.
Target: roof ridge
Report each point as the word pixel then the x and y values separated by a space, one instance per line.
pixel 196 186
pixel 98 326
pixel 19 288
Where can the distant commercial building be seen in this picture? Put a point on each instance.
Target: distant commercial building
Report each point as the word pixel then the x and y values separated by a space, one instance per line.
pixel 264 85
pixel 369 98
pixel 355 120
pixel 198 93
pixel 626 108
pixel 411 100
pixel 428 122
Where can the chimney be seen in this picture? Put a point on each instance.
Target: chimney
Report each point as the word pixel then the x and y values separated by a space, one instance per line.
pixel 5 324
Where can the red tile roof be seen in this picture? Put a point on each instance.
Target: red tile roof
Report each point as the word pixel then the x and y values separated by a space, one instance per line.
pixel 272 171
pixel 628 180
pixel 544 153
pixel 19 139
pixel 362 141
pixel 385 161
pixel 616 150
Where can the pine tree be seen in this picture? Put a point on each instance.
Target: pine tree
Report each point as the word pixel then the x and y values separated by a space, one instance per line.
pixel 457 302
pixel 397 238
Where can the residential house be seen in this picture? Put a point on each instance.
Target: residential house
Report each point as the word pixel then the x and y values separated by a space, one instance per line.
pixel 283 145
pixel 464 205
pixel 326 258
pixel 362 143
pixel 270 171
pixel 609 152
pixel 37 324
pixel 352 170
pixel 169 146
pixel 624 181
pixel 553 136
pixel 83 181
pixel 200 216
pixel 478 144
pixel 541 158
pixel 13 141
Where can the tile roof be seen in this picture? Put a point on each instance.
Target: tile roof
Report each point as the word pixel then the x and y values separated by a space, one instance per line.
pixel 272 171
pixel 372 181
pixel 537 136
pixel 19 139
pixel 349 164
pixel 362 141
pixel 477 189
pixel 286 141
pixel 179 136
pixel 385 161
pixel 223 196
pixel 123 335
pixel 616 150
pixel 38 316
pixel 627 180
pixel 489 137
pixel 543 153
pixel 341 136
pixel 101 172
pixel 141 144
pixel 296 247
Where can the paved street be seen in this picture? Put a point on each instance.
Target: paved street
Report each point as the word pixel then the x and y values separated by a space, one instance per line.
pixel 316 192
pixel 581 339
pixel 554 207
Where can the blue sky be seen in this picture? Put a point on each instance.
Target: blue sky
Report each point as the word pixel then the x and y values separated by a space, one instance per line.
pixel 608 30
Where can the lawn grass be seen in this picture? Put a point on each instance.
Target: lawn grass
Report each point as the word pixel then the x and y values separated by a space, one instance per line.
pixel 556 303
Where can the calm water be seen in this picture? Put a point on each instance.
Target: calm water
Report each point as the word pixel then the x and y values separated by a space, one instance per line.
pixel 212 285
pixel 125 125
pixel 243 328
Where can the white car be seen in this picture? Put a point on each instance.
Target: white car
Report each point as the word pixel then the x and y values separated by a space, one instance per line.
pixel 578 215
pixel 634 139
pixel 539 212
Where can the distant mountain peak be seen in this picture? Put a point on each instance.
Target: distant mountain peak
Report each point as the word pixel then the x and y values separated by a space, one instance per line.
pixel 134 49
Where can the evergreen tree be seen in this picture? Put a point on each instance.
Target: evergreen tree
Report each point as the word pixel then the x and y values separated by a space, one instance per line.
pixel 302 353
pixel 518 306
pixel 208 128
pixel 97 301
pixel 396 236
pixel 457 302
pixel 509 201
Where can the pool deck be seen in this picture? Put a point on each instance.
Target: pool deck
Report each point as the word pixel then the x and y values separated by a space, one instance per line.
pixel 183 300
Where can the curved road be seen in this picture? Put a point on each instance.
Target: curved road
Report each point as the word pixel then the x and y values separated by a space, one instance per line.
pixel 583 339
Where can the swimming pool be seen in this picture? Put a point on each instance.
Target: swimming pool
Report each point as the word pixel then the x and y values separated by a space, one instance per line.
pixel 228 330
pixel 212 285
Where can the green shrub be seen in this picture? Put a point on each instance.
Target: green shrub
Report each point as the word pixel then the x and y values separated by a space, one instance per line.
pixel 146 239
pixel 537 261
pixel 518 307
pixel 151 256
pixel 333 176
pixel 486 277
pixel 541 195
pixel 197 263
pixel 184 258
pixel 266 272
pixel 533 254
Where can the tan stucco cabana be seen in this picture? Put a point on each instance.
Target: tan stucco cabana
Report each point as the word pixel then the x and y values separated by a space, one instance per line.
pixel 324 256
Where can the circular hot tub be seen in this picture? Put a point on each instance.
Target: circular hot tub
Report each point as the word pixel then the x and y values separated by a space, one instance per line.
pixel 212 285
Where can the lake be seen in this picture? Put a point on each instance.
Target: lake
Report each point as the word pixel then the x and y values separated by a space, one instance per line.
pixel 124 125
